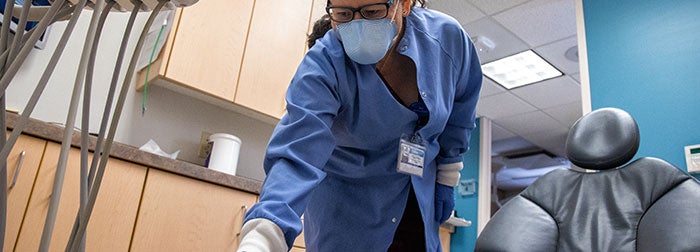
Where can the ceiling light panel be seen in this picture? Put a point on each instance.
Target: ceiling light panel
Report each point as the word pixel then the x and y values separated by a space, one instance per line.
pixel 520 69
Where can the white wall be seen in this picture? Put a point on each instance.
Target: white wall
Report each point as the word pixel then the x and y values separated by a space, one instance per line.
pixel 175 121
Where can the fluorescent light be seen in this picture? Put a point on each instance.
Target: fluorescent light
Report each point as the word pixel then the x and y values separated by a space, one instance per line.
pixel 520 69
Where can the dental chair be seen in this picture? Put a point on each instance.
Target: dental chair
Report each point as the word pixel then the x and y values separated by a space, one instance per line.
pixel 645 205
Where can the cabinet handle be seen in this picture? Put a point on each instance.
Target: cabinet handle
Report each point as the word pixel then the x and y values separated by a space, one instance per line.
pixel 19 166
pixel 244 208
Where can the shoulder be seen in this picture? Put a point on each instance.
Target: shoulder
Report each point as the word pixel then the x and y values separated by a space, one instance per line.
pixel 321 68
pixel 327 46
pixel 435 24
pixel 442 32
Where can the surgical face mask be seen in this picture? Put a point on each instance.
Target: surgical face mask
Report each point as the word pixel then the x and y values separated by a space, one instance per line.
pixel 367 41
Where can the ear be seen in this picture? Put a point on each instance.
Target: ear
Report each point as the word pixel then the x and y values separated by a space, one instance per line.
pixel 406 7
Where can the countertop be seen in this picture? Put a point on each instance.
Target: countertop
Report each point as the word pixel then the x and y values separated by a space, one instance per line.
pixel 132 154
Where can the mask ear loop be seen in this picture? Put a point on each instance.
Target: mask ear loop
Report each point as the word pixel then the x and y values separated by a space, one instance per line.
pixel 398 5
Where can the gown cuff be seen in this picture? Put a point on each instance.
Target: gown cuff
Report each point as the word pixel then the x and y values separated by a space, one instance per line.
pixel 262 235
pixel 448 174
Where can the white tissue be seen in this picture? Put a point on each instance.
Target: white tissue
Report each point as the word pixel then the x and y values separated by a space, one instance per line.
pixel 152 147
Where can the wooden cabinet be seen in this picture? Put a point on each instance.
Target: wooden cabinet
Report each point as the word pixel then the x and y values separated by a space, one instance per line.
pixel 113 216
pixel 23 177
pixel 244 52
pixel 183 214
pixel 208 46
pixel 297 249
pixel 445 238
pixel 299 243
pixel 276 45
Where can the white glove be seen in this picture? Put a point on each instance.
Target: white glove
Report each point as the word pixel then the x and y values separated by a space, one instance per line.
pixel 262 235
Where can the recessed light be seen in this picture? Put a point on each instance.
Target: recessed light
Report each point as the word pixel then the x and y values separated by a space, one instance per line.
pixel 572 54
pixel 520 69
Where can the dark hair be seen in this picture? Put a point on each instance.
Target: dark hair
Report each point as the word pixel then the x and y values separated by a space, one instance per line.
pixel 323 24
pixel 421 2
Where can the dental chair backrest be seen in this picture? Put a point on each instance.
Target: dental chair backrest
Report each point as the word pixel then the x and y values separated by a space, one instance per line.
pixel 646 205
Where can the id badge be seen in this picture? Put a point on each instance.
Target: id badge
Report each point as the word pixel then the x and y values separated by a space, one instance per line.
pixel 411 155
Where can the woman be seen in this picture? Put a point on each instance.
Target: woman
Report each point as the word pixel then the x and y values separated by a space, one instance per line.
pixel 379 113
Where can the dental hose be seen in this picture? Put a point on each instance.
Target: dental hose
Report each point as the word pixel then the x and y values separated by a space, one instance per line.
pixel 94 190
pixel 10 51
pixel 99 146
pixel 19 32
pixel 82 82
pixel 88 81
pixel 31 103
pixel 60 15
pixel 86 177
pixel 13 68
pixel 17 62
pixel 4 33
pixel 67 136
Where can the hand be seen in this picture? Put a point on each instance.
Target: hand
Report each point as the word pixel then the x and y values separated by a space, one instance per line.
pixel 444 202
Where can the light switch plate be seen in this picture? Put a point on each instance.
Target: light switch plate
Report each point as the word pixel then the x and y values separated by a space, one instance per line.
pixel 467 187
pixel 692 158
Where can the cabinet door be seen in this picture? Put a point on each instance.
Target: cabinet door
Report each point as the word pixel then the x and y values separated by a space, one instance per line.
pixel 276 44
pixel 445 239
pixel 160 63
pixel 18 194
pixel 113 216
pixel 208 46
pixel 183 214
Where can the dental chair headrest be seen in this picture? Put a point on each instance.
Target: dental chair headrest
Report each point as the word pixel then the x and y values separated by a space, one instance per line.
pixel 603 139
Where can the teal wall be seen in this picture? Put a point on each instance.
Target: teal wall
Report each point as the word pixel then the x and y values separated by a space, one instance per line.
pixel 464 238
pixel 644 57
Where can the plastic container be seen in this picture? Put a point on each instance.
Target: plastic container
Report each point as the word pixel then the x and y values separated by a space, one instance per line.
pixel 224 152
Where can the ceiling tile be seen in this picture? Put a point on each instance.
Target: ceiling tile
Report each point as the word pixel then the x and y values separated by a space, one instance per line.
pixel 502 105
pixel 577 77
pixel 550 93
pixel 553 140
pixel 510 144
pixel 554 54
pixel 549 28
pixel 566 114
pixel 529 123
pixel 506 43
pixel 541 21
pixel 461 10
pixel 488 88
pixel 495 6
pixel 499 133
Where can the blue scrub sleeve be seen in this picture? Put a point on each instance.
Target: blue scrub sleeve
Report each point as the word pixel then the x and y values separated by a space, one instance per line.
pixel 299 147
pixel 454 141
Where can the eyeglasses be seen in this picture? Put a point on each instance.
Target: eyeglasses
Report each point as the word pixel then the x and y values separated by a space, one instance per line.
pixel 343 14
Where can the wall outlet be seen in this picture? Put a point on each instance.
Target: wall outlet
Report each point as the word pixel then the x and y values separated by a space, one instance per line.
pixel 204 146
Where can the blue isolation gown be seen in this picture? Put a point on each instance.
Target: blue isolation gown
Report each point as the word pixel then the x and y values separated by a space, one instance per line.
pixel 333 156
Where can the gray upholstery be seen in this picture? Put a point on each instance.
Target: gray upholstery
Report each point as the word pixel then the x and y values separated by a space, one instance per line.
pixel 646 205
pixel 604 139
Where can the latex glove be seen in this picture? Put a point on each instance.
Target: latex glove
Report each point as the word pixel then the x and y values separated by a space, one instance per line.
pixel 444 202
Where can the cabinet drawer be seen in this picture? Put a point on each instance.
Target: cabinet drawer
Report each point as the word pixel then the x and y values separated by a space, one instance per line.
pixel 183 214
